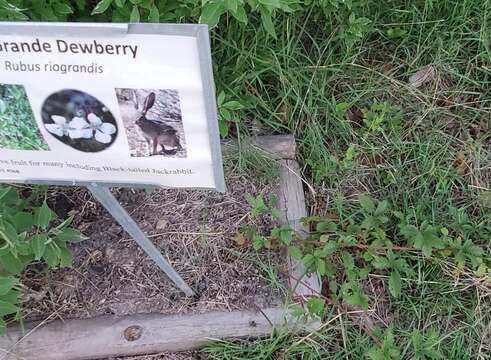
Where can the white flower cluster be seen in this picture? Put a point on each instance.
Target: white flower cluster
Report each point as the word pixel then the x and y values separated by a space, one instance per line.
pixel 79 128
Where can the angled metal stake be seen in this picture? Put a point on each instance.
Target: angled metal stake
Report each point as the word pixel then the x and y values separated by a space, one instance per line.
pixel 107 199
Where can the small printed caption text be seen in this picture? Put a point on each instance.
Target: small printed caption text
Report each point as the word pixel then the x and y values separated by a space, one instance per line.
pixel 15 167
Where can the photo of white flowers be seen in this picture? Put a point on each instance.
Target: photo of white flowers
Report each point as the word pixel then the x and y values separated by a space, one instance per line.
pixel 153 122
pixel 79 120
pixel 18 130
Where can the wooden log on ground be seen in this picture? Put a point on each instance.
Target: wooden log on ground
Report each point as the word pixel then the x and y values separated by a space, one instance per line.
pixel 275 146
pixel 292 209
pixel 111 336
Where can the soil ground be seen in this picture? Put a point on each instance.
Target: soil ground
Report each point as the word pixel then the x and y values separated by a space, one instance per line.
pixel 194 229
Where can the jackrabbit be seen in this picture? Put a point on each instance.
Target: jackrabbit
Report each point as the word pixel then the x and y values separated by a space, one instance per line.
pixel 156 132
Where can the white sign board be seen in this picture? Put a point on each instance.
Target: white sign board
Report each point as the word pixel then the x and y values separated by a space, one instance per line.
pixel 108 103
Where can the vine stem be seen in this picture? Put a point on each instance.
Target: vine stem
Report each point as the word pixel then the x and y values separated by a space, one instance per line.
pixel 342 310
pixel 365 247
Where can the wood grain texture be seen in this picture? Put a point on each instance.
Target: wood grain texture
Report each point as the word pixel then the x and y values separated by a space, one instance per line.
pixel 275 146
pixel 103 337
pixel 292 208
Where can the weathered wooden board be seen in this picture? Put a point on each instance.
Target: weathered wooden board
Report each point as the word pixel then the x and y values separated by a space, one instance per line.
pixel 291 200
pixel 276 146
pixel 134 335
pixel 292 205
pixel 152 333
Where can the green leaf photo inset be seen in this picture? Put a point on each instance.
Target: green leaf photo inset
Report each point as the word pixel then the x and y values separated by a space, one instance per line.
pixel 18 129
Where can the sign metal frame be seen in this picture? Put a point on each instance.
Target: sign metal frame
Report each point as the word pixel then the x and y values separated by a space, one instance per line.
pixel 101 189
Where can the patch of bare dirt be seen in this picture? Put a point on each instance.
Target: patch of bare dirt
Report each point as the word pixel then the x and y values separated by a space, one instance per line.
pixel 194 229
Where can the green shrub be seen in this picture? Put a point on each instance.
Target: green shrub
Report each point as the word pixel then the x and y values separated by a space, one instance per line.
pixel 207 11
pixel 29 233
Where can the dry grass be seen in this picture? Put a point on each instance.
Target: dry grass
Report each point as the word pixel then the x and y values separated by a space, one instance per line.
pixel 194 229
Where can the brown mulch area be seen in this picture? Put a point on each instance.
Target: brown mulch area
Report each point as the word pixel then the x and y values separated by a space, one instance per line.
pixel 194 229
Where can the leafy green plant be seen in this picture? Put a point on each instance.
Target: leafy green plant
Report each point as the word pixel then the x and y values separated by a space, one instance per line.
pixel 323 167
pixel 349 157
pixel 466 252
pixel 382 117
pixel 355 29
pixel 260 242
pixel 396 32
pixel 375 215
pixel 284 234
pixel 372 239
pixel 208 11
pixel 424 237
pixel 397 265
pixel 9 298
pixel 228 112
pixel 29 233
pixel 39 10
pixel 213 9
pixel 314 308
pixel 260 207
pixel 424 345
pixel 387 350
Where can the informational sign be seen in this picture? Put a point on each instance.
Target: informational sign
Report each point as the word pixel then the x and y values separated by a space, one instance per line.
pixel 104 103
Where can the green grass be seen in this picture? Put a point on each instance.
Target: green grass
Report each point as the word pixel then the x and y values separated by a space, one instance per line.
pixel 459 316
pixel 436 165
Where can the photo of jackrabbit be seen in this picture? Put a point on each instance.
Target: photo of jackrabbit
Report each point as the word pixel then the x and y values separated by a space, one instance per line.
pixel 79 120
pixel 153 122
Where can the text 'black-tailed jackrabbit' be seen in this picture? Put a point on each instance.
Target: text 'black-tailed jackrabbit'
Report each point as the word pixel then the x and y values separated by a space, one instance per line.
pixel 155 132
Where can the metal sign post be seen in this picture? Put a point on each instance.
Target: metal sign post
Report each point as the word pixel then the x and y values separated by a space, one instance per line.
pixel 107 199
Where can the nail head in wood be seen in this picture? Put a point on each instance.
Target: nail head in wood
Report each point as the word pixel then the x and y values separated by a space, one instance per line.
pixel 133 333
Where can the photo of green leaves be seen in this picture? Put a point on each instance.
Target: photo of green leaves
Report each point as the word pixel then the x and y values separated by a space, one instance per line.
pixel 18 129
